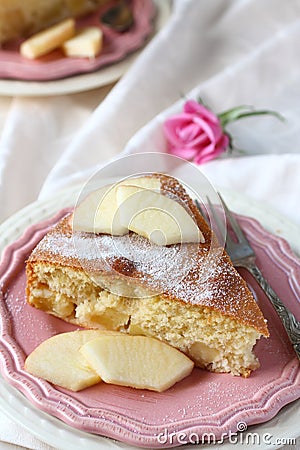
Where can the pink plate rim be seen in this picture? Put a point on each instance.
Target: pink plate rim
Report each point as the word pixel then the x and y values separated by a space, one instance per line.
pixel 55 66
pixel 260 407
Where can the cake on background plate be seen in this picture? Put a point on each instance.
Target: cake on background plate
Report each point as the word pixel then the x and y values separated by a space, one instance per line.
pixel 193 299
pixel 20 19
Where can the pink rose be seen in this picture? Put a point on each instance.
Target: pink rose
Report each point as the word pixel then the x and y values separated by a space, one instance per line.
pixel 196 134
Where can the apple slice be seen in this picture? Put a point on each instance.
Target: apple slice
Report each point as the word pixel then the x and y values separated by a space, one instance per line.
pixel 99 211
pixel 87 43
pixel 161 219
pixel 59 361
pixel 137 361
pixel 47 40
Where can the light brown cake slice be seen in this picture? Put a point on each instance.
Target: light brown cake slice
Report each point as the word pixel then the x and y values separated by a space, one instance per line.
pixel 187 295
pixel 19 18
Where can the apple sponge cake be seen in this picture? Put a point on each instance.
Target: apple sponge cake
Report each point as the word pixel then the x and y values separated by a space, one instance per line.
pixel 189 295
pixel 20 18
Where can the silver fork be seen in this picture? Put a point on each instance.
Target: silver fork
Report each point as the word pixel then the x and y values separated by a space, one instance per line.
pixel 242 255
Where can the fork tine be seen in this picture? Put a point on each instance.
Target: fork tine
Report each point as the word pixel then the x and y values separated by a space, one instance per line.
pixel 220 225
pixel 234 224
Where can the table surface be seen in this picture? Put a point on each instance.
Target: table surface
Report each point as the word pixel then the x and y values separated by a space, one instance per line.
pixel 88 100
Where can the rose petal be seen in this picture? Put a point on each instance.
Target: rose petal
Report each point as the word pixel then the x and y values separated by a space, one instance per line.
pixel 200 158
pixel 215 148
pixel 211 132
pixel 207 152
pixel 189 132
pixel 193 107
pixel 186 129
pixel 183 152
pixel 200 142
pixel 195 134
pixel 223 143
pixel 217 131
pixel 208 155
pixel 175 123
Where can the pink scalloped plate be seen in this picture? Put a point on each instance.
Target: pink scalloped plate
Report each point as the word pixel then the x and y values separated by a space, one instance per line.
pixel 202 403
pixel 116 46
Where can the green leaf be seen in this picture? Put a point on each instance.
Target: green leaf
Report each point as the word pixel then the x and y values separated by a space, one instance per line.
pixel 261 113
pixel 231 114
pixel 241 112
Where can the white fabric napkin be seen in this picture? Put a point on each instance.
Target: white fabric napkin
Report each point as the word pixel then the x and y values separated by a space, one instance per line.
pixel 229 52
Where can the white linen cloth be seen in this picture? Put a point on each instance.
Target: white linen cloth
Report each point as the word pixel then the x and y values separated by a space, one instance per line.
pixel 229 52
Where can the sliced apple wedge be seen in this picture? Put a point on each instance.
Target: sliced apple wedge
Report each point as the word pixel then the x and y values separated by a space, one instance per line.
pixel 87 43
pixel 47 40
pixel 137 361
pixel 59 361
pixel 99 211
pixel 162 220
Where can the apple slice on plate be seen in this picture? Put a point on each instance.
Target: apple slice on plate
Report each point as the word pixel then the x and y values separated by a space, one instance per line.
pixel 140 362
pixel 47 40
pixel 87 43
pixel 59 361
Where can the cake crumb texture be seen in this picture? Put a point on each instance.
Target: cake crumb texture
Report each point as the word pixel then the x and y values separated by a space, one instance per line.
pixel 212 340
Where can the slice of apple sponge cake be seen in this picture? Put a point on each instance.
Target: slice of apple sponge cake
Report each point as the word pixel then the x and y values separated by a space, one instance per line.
pixel 189 296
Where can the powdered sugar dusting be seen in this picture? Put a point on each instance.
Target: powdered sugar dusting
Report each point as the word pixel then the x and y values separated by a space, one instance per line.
pixel 193 273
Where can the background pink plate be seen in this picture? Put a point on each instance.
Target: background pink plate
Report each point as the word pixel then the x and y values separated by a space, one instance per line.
pixel 55 65
pixel 202 403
